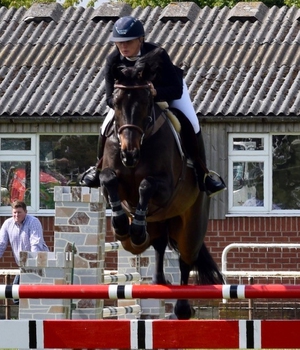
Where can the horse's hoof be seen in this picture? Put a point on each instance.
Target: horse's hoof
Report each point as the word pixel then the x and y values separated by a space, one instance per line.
pixel 144 245
pixel 159 278
pixel 183 310
pixel 120 224
pixel 122 237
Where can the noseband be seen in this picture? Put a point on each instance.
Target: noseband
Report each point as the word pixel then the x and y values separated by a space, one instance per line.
pixel 127 87
pixel 131 126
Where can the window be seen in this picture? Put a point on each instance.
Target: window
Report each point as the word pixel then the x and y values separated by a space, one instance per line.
pixel 32 165
pixel 264 173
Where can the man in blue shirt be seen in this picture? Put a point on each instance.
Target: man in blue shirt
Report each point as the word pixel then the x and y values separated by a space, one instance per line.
pixel 24 232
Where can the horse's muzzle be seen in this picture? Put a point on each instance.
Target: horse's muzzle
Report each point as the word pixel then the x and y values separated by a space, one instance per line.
pixel 130 159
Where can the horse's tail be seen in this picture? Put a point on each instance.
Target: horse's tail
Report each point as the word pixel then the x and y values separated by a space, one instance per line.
pixel 208 270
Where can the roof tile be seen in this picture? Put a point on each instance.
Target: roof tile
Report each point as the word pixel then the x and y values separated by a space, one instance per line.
pixel 246 67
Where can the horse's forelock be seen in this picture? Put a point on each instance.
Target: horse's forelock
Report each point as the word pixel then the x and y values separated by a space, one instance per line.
pixel 126 73
pixel 133 75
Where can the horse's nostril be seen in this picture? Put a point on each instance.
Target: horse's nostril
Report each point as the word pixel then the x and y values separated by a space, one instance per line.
pixel 130 158
pixel 123 155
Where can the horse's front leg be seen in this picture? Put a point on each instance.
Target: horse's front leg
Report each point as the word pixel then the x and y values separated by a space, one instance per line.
pixel 120 221
pixel 138 228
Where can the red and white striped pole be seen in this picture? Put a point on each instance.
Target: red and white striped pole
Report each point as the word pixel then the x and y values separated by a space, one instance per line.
pixel 150 334
pixel 273 291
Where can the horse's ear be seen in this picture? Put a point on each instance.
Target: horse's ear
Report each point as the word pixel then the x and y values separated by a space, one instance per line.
pixel 148 73
pixel 140 75
pixel 151 63
pixel 143 71
pixel 146 70
pixel 116 71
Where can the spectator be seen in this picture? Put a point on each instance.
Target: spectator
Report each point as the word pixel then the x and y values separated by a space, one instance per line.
pixel 24 232
pixel 256 180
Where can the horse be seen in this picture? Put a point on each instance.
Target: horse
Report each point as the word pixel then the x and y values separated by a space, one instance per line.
pixel 149 181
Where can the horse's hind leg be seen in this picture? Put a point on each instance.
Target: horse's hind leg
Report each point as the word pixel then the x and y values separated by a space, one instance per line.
pixel 120 221
pixel 159 245
pixel 183 310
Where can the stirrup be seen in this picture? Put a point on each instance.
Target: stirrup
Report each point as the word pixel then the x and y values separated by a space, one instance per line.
pixel 90 177
pixel 222 186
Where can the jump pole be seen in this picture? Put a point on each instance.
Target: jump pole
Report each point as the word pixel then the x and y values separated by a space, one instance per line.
pixel 270 291
pixel 150 334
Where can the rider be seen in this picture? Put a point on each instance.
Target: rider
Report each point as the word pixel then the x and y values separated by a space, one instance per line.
pixel 128 36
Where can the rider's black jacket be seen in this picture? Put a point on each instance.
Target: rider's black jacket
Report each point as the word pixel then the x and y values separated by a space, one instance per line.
pixel 168 83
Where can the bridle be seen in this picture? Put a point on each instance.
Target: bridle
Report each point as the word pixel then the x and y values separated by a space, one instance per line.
pixel 121 86
pixel 132 126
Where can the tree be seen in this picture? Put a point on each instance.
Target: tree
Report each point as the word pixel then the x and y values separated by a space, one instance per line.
pixel 210 3
pixel 151 3
pixel 28 3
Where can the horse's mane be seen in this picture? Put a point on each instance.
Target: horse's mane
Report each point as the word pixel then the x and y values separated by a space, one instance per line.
pixel 146 67
pixel 152 59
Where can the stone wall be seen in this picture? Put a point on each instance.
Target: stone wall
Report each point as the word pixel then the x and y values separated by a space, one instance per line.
pixel 78 257
pixel 45 268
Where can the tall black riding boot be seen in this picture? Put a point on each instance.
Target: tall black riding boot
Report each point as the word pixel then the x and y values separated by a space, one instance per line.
pixel 90 177
pixel 205 177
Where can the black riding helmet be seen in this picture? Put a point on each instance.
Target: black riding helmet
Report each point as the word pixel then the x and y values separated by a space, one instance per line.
pixel 127 28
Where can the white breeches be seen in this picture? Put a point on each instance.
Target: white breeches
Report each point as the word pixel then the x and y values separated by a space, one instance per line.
pixel 184 104
pixel 107 119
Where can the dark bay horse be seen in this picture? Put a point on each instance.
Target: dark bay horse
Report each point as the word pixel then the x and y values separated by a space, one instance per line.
pixel 150 185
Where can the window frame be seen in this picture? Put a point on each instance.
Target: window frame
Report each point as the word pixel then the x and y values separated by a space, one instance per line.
pixel 32 156
pixel 256 156
pixel 23 156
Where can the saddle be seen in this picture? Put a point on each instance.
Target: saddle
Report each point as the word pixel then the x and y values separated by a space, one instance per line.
pixel 172 117
pixel 184 130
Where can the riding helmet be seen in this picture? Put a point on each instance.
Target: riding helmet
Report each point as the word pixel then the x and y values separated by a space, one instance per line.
pixel 127 28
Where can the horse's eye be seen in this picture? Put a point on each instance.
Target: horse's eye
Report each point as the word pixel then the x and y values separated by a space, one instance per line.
pixel 147 122
pixel 116 97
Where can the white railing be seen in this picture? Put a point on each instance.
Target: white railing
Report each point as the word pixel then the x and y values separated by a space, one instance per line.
pixel 260 273
pixel 7 273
